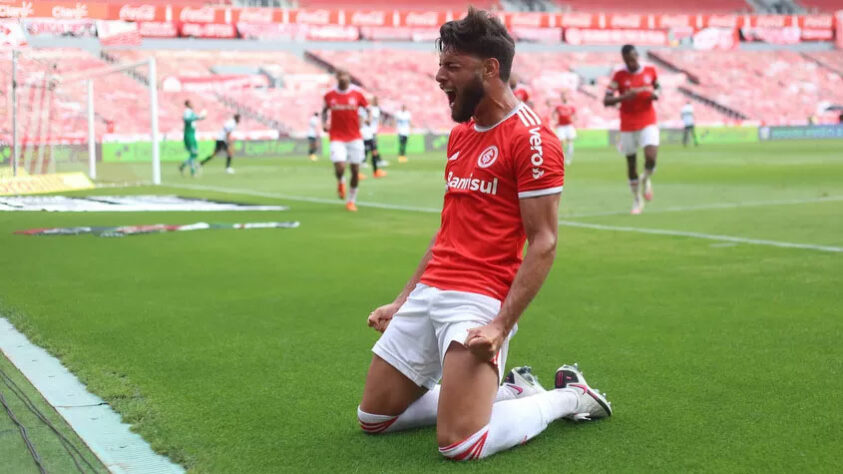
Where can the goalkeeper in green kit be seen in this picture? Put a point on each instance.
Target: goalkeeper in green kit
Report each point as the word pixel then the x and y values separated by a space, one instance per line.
pixel 190 137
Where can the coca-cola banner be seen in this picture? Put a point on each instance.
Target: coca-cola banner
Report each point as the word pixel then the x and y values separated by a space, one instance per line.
pixel 716 38
pixel 332 33
pixel 272 31
pixel 138 12
pixel 157 11
pixel 158 29
pixel 788 35
pixel 213 82
pixel 208 30
pixel 577 36
pixel 52 27
pixel 200 15
pixel 537 35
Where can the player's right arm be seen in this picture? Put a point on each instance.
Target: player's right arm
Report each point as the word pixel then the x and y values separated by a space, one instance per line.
pixel 610 99
pixel 379 318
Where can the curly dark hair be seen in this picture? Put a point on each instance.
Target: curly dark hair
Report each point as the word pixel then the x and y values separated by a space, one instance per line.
pixel 479 34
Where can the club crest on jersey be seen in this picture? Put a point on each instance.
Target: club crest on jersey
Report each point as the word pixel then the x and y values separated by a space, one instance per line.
pixel 488 157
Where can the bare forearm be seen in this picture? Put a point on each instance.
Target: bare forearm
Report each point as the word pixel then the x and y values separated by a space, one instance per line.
pixel 611 100
pixel 528 281
pixel 414 280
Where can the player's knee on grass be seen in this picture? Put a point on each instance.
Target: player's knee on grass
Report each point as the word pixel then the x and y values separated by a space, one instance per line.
pixel 372 423
pixel 468 448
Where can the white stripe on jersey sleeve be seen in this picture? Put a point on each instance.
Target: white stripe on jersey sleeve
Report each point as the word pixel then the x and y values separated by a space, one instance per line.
pixel 539 192
pixel 529 112
pixel 524 119
pixel 527 119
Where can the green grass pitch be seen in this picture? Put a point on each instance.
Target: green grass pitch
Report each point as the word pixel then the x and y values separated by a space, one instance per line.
pixel 245 351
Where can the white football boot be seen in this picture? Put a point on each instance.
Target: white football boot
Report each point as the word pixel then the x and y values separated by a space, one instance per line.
pixel 591 404
pixel 523 382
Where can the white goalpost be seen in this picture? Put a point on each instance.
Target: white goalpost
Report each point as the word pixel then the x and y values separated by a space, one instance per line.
pixel 41 98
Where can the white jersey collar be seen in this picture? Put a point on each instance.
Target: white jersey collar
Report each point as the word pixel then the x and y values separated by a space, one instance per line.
pixel 514 111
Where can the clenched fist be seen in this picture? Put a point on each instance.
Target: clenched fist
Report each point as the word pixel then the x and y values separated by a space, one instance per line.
pixel 379 318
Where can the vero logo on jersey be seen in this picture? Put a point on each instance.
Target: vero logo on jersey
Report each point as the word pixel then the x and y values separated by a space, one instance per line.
pixel 488 157
pixel 537 158
pixel 472 184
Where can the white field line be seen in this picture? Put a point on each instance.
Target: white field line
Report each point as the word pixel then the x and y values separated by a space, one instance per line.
pixel 716 205
pixel 698 235
pixel 120 450
pixel 567 223
pixel 250 192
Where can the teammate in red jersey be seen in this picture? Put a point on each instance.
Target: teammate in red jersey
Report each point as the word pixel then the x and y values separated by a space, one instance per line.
pixel 563 115
pixel 342 104
pixel 455 317
pixel 521 91
pixel 637 86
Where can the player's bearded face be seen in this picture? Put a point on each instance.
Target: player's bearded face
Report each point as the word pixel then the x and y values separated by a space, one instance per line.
pixel 466 99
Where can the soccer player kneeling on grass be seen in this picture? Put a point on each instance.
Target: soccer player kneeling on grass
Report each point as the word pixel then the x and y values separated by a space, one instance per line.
pixel 637 86
pixel 225 143
pixel 457 314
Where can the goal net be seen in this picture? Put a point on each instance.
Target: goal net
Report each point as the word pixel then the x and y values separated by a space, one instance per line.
pixel 72 111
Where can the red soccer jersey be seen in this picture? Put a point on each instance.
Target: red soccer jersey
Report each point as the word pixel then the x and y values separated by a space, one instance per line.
pixel 521 92
pixel 481 238
pixel 565 114
pixel 638 112
pixel 345 122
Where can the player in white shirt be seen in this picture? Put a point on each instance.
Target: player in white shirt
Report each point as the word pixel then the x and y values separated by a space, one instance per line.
pixel 225 143
pixel 368 128
pixel 687 113
pixel 313 126
pixel 402 126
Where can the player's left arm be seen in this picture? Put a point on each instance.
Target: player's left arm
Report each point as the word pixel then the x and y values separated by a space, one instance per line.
pixel 539 170
pixel 657 90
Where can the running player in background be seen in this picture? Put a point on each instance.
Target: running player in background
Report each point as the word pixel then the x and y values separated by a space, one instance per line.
pixel 687 113
pixel 637 86
pixel 370 141
pixel 374 123
pixel 225 143
pixel 564 117
pixel 189 117
pixel 520 90
pixel 313 135
pixel 341 106
pixel 455 317
pixel 403 118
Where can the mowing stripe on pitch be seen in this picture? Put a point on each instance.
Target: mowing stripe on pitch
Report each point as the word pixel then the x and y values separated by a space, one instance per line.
pixel 119 449
pixel 676 233
pixel 713 206
pixel 698 235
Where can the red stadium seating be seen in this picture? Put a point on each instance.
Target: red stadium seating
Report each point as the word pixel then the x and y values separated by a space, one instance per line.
pixel 774 87
pixel 657 6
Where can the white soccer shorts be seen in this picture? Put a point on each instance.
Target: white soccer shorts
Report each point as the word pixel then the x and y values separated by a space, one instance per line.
pixel 566 132
pixel 352 151
pixel 631 141
pixel 421 331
